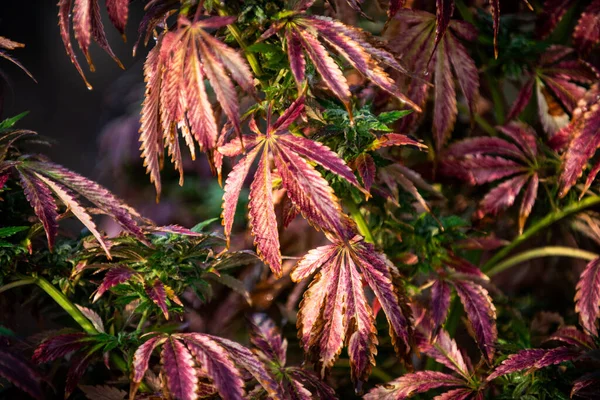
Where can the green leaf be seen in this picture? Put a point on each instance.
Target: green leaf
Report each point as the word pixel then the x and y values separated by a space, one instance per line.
pixel 389 117
pixel 11 230
pixel 200 226
pixel 10 122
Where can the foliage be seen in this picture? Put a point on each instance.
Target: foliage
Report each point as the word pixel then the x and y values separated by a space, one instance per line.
pixel 321 110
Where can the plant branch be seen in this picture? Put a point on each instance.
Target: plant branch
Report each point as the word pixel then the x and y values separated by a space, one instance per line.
pixel 538 226
pixel 20 282
pixel 547 251
pixel 479 120
pixel 361 223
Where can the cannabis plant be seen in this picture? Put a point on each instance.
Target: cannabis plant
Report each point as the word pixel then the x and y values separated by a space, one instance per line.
pixel 407 190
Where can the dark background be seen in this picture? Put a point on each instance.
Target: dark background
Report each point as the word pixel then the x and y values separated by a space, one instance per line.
pixel 60 105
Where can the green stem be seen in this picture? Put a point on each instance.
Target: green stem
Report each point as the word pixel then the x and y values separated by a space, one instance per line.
pixel 67 305
pixel 547 251
pixel 21 282
pixel 376 372
pixel 496 97
pixel 479 120
pixel 237 35
pixel 538 226
pixel 363 227
pixel 143 319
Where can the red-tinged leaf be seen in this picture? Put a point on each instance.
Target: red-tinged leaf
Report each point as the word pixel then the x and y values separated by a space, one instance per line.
pixel 175 230
pixel 141 358
pixel 444 350
pixel 320 154
pixel 309 379
pixel 118 12
pixel 409 384
pixel 503 195
pixel 553 11
pixel 179 370
pixel 587 386
pixel 295 390
pixel 58 346
pixel 394 7
pixel 571 335
pixel 591 177
pixel 309 192
pixel 78 211
pixel 201 118
pixel 103 392
pixel 221 84
pixel 523 135
pixel 233 187
pixel 234 147
pixel 335 310
pixel 98 33
pixel 481 169
pixel 456 394
pixel 292 113
pixel 216 364
pixel 98 195
pixel 378 272
pixel 421 43
pixel 495 6
pixel 113 277
pixel 296 57
pixel 3 180
pixel 483 243
pixel 78 366
pixel 325 65
pixel 587 32
pixel 587 298
pixel 150 121
pixel 262 218
pixel 82 26
pixel 444 113
pixel 440 304
pixel 18 372
pixel 481 314
pixel 8 44
pixel 267 340
pixel 522 100
pixel 532 359
pixel 311 261
pixel 528 201
pixel 584 140
pixel 465 268
pixel 158 295
pixel 485 145
pixel 395 139
pixel 365 166
pixel 443 13
pixel 93 316
pixel 246 360
pixel 40 198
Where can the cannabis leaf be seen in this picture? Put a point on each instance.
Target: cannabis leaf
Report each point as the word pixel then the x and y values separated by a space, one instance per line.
pixel 335 311
pixel 194 361
pixel 487 159
pixel 87 25
pixel 306 188
pixel 533 359
pixel 271 348
pixel 176 97
pixel 305 34
pixel 7 44
pixel 443 349
pixel 84 349
pixel 417 43
pixel 587 31
pixel 18 371
pixel 466 280
pixel 560 80
pixel 582 138
pixel 587 297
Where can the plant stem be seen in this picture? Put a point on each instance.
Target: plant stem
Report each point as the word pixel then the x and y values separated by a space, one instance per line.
pixel 143 319
pixel 237 35
pixel 538 226
pixel 483 124
pixel 363 227
pixel 547 251
pixel 21 282
pixel 376 372
pixel 67 305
